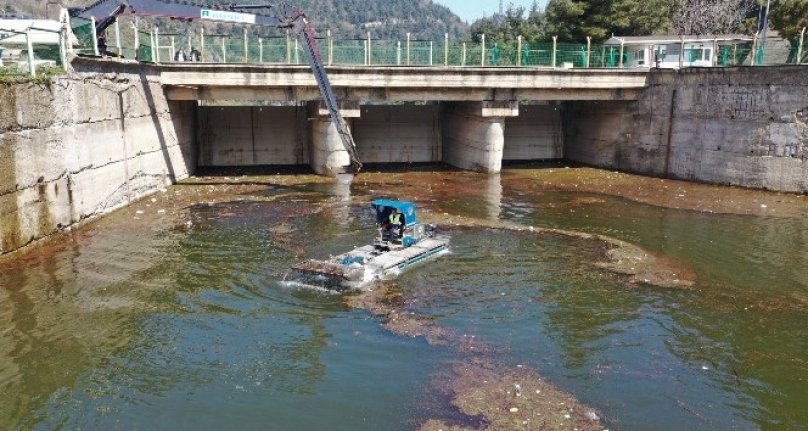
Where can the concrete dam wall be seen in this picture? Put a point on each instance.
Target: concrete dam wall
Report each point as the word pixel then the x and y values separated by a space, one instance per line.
pixel 400 133
pixel 746 127
pixel 85 145
pixel 91 142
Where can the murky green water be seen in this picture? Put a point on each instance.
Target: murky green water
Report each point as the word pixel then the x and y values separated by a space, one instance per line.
pixel 146 325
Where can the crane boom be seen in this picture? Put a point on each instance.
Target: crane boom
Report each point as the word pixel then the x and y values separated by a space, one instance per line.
pixel 106 13
pixel 300 25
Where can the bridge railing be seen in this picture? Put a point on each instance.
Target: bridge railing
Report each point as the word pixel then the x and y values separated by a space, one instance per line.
pixel 31 51
pixel 152 46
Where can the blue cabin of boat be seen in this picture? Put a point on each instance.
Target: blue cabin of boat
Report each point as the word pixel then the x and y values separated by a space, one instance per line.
pixel 384 207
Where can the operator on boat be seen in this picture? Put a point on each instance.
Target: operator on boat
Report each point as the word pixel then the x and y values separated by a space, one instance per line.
pixel 396 221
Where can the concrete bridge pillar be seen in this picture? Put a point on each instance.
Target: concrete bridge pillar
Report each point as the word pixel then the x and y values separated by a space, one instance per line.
pixel 328 154
pixel 474 134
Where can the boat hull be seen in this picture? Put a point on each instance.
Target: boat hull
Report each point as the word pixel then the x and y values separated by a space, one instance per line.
pixel 366 264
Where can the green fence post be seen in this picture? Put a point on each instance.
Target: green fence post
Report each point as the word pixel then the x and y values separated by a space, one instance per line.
pixel 799 49
pixel 588 51
pixel 202 44
pixel 525 55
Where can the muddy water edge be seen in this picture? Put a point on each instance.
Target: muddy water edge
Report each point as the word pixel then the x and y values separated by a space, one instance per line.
pixel 571 299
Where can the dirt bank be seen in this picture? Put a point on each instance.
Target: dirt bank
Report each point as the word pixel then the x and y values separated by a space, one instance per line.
pixel 641 266
pixel 510 398
pixel 660 192
pixel 492 395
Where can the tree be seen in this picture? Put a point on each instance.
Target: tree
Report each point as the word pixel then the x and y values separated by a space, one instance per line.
pixel 506 27
pixel 789 17
pixel 565 19
pixel 577 19
pixel 706 17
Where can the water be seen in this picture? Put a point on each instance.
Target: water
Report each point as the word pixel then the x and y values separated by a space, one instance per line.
pixel 180 321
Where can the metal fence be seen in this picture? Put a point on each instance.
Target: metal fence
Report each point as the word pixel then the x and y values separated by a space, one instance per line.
pixel 243 48
pixel 22 53
pixel 150 45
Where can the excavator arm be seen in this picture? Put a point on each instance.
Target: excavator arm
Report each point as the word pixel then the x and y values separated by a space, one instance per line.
pixel 301 26
pixel 179 10
pixel 106 12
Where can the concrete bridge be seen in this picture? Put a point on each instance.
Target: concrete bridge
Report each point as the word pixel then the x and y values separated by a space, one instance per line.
pixel 472 118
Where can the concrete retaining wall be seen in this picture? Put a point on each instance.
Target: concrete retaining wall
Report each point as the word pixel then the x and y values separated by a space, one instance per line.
pixel 741 126
pixel 536 134
pixel 83 146
pixel 252 135
pixel 398 133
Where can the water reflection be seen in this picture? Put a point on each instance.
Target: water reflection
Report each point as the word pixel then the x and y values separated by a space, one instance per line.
pixel 493 196
pixel 341 209
pixel 50 336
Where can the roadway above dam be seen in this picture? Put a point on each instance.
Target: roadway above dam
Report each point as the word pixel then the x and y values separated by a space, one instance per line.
pixel 284 83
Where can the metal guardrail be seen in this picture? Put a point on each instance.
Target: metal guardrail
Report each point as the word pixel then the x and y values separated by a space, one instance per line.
pixel 33 56
pixel 248 49
pixel 151 45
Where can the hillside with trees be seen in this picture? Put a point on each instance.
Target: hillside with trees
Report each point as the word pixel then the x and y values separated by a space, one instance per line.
pixel 347 19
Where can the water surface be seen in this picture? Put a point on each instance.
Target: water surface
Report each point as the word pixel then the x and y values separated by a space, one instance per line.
pixel 179 320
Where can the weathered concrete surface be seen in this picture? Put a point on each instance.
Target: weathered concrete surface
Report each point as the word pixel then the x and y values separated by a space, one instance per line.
pixel 739 126
pixel 399 133
pixel 83 146
pixel 403 133
pixel 405 84
pixel 328 154
pixel 536 134
pixel 474 135
pixel 252 135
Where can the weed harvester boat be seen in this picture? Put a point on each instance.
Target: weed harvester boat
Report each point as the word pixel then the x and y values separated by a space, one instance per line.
pixel 391 252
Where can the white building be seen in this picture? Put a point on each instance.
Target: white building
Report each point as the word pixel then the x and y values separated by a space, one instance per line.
pixel 667 51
